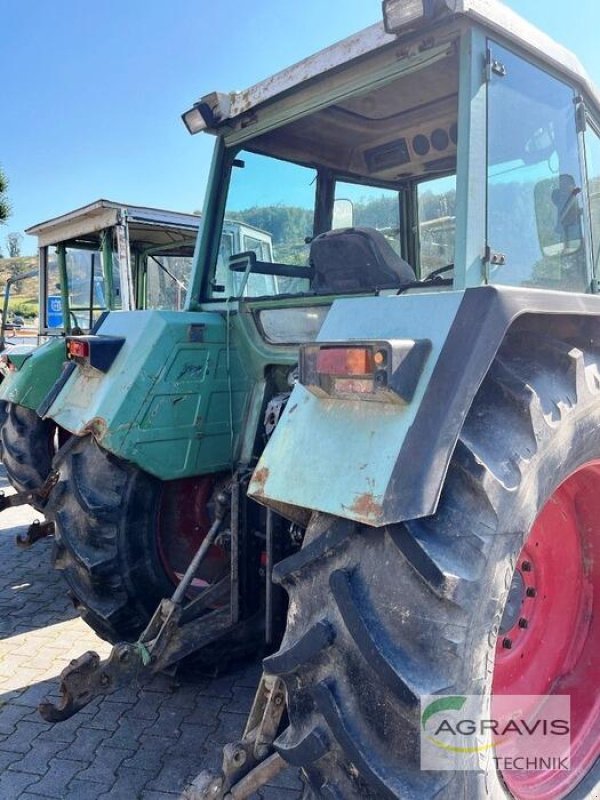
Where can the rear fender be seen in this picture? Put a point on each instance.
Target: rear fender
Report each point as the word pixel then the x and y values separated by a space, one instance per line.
pixel 37 368
pixel 378 463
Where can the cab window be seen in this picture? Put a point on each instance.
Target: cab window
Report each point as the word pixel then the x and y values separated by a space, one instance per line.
pixel 534 182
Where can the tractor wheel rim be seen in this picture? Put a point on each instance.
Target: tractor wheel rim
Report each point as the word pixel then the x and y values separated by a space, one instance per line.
pixel 182 524
pixel 549 637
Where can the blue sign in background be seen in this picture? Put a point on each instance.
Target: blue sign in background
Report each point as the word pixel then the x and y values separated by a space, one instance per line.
pixel 54 314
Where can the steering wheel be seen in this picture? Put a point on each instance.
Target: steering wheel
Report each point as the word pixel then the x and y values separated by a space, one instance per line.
pixel 439 271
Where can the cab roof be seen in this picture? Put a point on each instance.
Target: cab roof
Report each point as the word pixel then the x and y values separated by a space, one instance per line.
pixel 217 108
pixel 103 214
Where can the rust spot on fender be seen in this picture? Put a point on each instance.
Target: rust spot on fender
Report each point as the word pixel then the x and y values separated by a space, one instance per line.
pixel 259 479
pixel 97 427
pixel 366 508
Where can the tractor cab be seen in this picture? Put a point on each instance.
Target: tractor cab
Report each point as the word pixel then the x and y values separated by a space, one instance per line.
pixel 111 256
pixel 427 136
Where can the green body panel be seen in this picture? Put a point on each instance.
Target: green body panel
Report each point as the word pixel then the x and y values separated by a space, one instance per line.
pixel 362 438
pixel 20 354
pixel 37 368
pixel 174 401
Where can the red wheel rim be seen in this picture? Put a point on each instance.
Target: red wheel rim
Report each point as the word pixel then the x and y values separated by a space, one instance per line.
pixel 549 638
pixel 183 522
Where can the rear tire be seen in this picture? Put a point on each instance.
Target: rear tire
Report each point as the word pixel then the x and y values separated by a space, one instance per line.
pixel 104 512
pixel 26 448
pixel 122 541
pixel 380 617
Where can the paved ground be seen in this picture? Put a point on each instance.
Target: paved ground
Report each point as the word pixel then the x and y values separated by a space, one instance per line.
pixel 142 742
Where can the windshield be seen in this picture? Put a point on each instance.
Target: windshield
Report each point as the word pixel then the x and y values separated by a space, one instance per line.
pixel 87 292
pixel 436 202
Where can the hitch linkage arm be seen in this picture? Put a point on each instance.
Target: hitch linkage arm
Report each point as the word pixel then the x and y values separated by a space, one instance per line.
pixel 175 631
pixel 251 762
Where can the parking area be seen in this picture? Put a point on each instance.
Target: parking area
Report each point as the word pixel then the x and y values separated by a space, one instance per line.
pixel 141 742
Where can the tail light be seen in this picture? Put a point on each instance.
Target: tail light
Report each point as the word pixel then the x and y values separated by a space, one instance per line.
pixel 345 361
pixel 77 349
pixel 383 371
pixel 97 351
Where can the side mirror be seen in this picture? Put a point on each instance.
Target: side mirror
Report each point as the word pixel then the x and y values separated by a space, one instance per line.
pixel 558 216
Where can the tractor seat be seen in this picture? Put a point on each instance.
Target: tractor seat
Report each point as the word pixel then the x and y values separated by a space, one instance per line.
pixel 352 259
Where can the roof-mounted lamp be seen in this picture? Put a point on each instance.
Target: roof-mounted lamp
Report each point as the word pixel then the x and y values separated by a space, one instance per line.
pixel 399 15
pixel 208 112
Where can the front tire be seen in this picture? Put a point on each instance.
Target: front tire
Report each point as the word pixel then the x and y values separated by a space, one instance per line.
pixel 381 617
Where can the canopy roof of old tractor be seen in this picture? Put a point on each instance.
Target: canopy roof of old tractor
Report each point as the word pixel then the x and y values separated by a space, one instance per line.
pixel 233 110
pixel 146 226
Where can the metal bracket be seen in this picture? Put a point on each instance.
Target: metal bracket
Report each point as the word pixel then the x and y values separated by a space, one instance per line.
pixel 87 677
pixel 494 67
pixel 580 114
pixel 36 531
pixel 251 762
pixel 494 258
pixel 498 68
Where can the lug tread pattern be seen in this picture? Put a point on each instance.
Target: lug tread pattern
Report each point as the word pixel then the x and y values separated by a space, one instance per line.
pixel 286 571
pixel 308 749
pixel 415 551
pixel 364 636
pixel 362 754
pixel 318 638
pixel 87 514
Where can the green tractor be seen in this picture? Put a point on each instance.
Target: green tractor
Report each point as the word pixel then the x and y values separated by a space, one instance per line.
pixel 103 256
pixel 397 420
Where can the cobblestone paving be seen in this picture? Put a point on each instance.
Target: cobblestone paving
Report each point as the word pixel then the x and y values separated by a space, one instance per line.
pixel 141 743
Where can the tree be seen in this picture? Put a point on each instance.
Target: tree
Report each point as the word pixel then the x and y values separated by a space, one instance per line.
pixel 13 242
pixel 4 204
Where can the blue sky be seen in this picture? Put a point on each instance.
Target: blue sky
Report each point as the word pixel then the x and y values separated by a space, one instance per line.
pixel 92 94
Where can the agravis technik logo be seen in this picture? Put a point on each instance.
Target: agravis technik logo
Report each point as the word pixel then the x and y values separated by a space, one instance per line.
pixel 520 732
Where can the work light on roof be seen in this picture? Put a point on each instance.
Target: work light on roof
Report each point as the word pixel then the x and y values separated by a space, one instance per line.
pixel 193 120
pixel 401 14
pixel 208 112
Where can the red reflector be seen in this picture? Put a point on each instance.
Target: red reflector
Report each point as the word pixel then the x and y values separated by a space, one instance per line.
pixel 78 349
pixel 345 361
